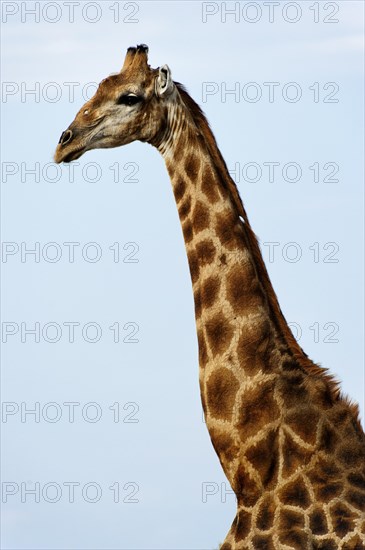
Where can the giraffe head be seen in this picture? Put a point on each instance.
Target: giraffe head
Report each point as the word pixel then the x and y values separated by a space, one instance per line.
pixel 126 107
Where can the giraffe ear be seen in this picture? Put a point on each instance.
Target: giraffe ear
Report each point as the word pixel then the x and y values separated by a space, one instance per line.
pixel 164 82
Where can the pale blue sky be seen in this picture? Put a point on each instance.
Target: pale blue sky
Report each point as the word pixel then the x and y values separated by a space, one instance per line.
pixel 166 457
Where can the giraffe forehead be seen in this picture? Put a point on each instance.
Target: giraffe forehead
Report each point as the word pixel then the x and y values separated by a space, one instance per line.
pixel 134 82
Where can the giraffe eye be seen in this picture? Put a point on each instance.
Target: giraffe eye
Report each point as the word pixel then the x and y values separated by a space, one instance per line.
pixel 129 99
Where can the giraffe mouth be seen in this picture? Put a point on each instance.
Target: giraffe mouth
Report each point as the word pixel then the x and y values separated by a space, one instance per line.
pixel 73 155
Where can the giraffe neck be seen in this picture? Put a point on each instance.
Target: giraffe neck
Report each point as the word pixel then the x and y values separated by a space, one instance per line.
pixel 197 168
pixel 229 296
pixel 238 337
pixel 272 414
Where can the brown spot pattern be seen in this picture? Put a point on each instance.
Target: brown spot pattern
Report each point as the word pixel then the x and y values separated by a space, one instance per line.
pixel 292 389
pixel 291 529
pixel 320 392
pixel 226 227
pixel 318 522
pixel 243 289
pixel 356 498
pixel 339 415
pixel 294 456
pixel 342 519
pixel 357 480
pixel 290 520
pixel 219 332
pixel 209 185
pixel 327 438
pixel 254 347
pixel 223 259
pixel 221 390
pixel 264 456
pixel 179 189
pixel 205 251
pixel 258 409
pixel 197 303
pixel 170 169
pixel 325 396
pixel 303 421
pixel 266 513
pixel 191 166
pixel 224 445
pixel 262 542
pixel 327 492
pixel 290 365
pixel 295 494
pixel 187 231
pixel 354 543
pixel 246 489
pixel 209 291
pixel 243 525
pixel 200 217
pixel 351 453
pixel 203 352
pixel 325 480
pixel 324 544
pixel 193 265
pixel 185 208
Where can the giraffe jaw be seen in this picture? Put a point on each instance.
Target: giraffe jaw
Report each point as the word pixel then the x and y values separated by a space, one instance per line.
pixel 69 154
pixel 72 155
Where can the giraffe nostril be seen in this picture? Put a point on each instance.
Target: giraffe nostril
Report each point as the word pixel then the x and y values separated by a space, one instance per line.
pixel 65 137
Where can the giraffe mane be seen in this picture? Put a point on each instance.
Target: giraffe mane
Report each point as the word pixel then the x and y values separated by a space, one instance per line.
pixel 300 358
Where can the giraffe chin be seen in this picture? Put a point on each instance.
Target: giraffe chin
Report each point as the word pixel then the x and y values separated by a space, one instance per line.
pixel 73 155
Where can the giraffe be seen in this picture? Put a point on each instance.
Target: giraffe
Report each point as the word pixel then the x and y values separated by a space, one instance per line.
pixel 290 444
